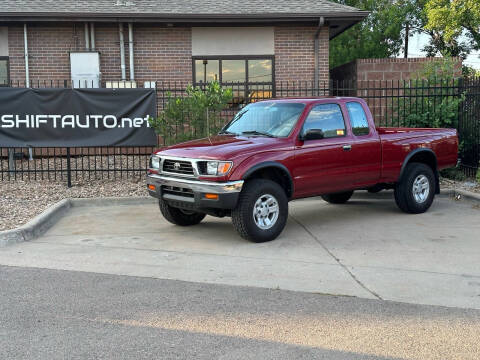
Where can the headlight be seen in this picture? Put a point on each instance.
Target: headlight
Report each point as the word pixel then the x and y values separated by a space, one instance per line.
pixel 218 168
pixel 155 162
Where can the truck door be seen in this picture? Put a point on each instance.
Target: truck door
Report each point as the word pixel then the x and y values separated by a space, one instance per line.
pixel 366 149
pixel 321 166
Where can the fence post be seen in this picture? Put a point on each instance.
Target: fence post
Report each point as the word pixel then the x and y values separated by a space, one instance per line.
pixel 69 169
pixel 11 161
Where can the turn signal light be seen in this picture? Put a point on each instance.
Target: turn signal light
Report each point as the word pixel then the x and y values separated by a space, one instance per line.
pixel 151 187
pixel 211 196
pixel 224 167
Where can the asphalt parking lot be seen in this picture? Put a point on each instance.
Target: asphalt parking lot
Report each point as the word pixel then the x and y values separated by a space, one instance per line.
pixel 54 314
pixel 366 248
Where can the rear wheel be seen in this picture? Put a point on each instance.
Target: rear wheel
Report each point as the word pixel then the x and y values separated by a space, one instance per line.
pixel 415 192
pixel 338 198
pixel 261 212
pixel 179 216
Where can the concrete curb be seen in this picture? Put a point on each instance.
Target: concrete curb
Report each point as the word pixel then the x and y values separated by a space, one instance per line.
pixel 37 226
pixel 42 222
pixel 111 201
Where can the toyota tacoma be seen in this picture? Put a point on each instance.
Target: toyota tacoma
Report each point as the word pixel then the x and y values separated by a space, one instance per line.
pixel 279 150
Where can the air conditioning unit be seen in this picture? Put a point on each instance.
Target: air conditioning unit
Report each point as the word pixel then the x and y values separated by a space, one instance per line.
pixel 85 69
pixel 150 84
pixel 122 84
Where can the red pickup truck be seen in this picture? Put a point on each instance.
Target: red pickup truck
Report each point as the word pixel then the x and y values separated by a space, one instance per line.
pixel 279 150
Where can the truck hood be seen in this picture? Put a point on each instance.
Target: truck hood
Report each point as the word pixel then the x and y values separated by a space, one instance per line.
pixel 223 147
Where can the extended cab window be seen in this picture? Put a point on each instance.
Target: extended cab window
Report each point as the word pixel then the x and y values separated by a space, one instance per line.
pixel 328 118
pixel 358 119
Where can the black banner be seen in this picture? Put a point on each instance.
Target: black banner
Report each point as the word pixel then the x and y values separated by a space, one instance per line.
pixel 76 117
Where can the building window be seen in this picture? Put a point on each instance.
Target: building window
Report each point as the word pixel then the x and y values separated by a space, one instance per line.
pixel 251 77
pixel 4 71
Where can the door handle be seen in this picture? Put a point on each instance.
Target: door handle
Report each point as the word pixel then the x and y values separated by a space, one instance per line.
pixel 347 147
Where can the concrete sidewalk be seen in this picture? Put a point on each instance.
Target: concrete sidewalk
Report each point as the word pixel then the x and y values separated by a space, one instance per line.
pixel 366 248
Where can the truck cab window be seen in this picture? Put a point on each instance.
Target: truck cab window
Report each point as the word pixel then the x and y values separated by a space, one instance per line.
pixel 328 118
pixel 358 119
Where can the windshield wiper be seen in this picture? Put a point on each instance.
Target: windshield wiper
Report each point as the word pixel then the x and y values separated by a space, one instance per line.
pixel 226 132
pixel 255 132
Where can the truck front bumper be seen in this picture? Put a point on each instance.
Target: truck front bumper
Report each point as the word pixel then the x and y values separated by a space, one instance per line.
pixel 194 194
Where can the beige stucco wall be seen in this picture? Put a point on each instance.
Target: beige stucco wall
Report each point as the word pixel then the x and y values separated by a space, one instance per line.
pixel 209 41
pixel 3 41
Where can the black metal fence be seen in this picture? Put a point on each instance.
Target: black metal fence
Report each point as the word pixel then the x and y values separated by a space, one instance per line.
pixel 73 164
pixel 414 103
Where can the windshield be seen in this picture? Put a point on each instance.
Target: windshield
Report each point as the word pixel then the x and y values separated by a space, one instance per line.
pixel 272 119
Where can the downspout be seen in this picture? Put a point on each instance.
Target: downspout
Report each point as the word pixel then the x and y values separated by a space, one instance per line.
pixel 130 51
pixel 25 44
pixel 92 36
pixel 87 38
pixel 27 84
pixel 321 22
pixel 122 50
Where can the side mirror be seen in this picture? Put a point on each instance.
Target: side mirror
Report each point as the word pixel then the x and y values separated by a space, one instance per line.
pixel 313 134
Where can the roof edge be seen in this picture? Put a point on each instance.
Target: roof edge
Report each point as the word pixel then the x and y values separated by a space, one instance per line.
pixel 114 17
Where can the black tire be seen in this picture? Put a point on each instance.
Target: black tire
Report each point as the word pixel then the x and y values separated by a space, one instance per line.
pixel 243 216
pixel 338 198
pixel 405 196
pixel 178 216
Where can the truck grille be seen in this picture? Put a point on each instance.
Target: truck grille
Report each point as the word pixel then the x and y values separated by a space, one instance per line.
pixel 173 190
pixel 178 167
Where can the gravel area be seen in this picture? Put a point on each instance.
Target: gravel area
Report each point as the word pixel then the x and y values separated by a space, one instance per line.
pixel 21 201
pixel 462 185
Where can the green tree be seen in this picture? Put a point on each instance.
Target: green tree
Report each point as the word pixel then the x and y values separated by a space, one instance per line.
pixel 470 72
pixel 383 33
pixel 195 115
pixel 438 44
pixel 380 35
pixel 453 18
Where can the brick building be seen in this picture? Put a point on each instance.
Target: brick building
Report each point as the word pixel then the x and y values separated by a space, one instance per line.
pixel 138 41
pixel 384 70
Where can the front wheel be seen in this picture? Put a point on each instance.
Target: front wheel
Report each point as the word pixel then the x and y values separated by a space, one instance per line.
pixel 261 212
pixel 179 216
pixel 415 192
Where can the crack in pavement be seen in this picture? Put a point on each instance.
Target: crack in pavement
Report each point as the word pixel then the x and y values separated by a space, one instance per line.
pixel 336 259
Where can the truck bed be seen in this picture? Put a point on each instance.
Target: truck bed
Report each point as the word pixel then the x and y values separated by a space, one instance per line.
pixel 398 143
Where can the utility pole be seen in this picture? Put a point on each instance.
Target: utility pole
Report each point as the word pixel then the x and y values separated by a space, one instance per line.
pixel 407 35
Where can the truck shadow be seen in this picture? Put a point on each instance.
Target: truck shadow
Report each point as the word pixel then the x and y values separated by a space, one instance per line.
pixel 362 208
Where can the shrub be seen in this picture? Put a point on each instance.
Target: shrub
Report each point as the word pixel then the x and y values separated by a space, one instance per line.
pixel 453 174
pixel 196 115
pixel 432 99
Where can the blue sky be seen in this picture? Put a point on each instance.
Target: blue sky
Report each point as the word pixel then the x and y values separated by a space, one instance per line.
pixel 418 41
